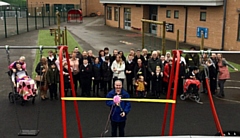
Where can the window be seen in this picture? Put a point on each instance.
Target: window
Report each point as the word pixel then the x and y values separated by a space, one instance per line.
pixel 116 14
pixel 176 14
pixel 238 36
pixel 203 8
pixel 168 14
pixel 109 13
pixel 203 16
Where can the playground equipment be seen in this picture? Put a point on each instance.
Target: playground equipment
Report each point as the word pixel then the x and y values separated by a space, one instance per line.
pixel 60 36
pixel 174 76
pixel 150 31
pixel 24 132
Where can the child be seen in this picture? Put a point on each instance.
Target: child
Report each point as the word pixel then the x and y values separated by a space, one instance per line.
pixel 192 78
pixel 140 86
pixel 66 79
pixel 52 80
pixel 157 81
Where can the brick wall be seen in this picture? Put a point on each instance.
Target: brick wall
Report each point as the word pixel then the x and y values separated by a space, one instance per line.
pixel 178 23
pixel 214 20
pixel 88 6
pixel 232 21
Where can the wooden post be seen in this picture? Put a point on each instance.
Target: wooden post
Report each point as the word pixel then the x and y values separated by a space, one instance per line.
pixel 164 38
pixel 55 36
pixel 143 31
pixel 66 35
pixel 63 38
pixel 177 41
pixel 202 42
pixel 58 24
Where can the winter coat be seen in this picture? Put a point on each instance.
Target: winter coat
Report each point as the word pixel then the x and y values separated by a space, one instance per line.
pixel 140 71
pixel 120 73
pixel 106 71
pixel 130 67
pixel 167 72
pixel 223 70
pixel 52 76
pixel 153 63
pixel 86 72
pixel 97 71
pixel 192 60
pixel 116 110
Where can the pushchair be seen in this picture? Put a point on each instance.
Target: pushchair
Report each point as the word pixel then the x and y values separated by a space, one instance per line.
pixel 191 88
pixel 24 91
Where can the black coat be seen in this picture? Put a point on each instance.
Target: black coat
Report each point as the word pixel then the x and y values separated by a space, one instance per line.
pixel 106 71
pixel 130 67
pixel 86 73
pixel 97 72
pixel 140 71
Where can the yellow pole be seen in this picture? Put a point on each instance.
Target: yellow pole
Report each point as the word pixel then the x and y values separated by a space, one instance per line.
pixel 143 30
pixel 177 41
pixel 63 38
pixel 164 38
pixel 202 42
pixel 65 35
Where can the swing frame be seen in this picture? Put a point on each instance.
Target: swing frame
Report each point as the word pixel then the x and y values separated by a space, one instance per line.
pixel 7 47
pixel 163 24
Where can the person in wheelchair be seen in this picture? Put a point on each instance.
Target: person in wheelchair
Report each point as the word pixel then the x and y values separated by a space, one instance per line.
pixel 192 79
pixel 23 84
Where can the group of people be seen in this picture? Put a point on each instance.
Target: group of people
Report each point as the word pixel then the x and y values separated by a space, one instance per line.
pixel 145 73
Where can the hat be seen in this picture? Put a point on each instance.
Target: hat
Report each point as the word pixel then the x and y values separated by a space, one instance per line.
pixel 106 48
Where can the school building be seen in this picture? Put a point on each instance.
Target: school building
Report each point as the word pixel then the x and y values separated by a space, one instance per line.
pixel 218 20
pixel 88 6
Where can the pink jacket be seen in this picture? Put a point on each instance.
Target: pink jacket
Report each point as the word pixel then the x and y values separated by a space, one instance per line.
pixel 223 70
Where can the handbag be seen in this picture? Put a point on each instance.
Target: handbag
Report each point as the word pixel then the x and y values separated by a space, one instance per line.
pixel 39 78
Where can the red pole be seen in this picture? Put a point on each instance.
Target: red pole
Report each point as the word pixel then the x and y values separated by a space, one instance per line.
pixel 177 53
pixel 168 96
pixel 64 121
pixel 214 112
pixel 74 95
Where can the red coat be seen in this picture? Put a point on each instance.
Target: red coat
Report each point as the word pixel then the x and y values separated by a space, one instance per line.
pixel 167 71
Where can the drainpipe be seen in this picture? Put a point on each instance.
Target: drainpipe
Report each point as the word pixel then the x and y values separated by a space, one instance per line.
pixel 224 23
pixel 119 7
pixel 105 13
pixel 185 27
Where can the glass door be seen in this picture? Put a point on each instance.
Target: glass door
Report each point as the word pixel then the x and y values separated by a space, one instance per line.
pixel 127 18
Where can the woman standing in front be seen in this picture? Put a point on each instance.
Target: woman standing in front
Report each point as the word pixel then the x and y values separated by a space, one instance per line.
pixel 41 70
pixel 118 69
pixel 74 63
pixel 223 73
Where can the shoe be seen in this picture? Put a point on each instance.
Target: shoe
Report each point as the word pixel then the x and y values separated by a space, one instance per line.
pixel 56 98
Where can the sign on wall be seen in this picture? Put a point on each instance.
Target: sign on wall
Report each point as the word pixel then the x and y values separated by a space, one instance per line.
pixel 169 27
pixel 202 30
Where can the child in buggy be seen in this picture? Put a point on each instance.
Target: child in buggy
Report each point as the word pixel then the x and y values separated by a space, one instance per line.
pixel 24 86
pixel 192 85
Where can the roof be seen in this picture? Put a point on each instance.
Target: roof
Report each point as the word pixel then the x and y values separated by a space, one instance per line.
pixel 4 3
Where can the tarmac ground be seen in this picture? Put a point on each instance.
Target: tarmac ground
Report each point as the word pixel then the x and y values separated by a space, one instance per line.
pixel 145 119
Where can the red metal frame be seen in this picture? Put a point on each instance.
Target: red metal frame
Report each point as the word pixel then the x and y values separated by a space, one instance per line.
pixel 174 76
pixel 64 119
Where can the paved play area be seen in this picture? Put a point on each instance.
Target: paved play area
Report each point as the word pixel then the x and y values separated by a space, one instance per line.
pixel 145 119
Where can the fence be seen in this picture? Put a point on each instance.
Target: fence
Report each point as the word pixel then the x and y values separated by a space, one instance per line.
pixel 17 20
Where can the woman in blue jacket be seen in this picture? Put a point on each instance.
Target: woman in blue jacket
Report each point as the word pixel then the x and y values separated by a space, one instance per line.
pixel 120 110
